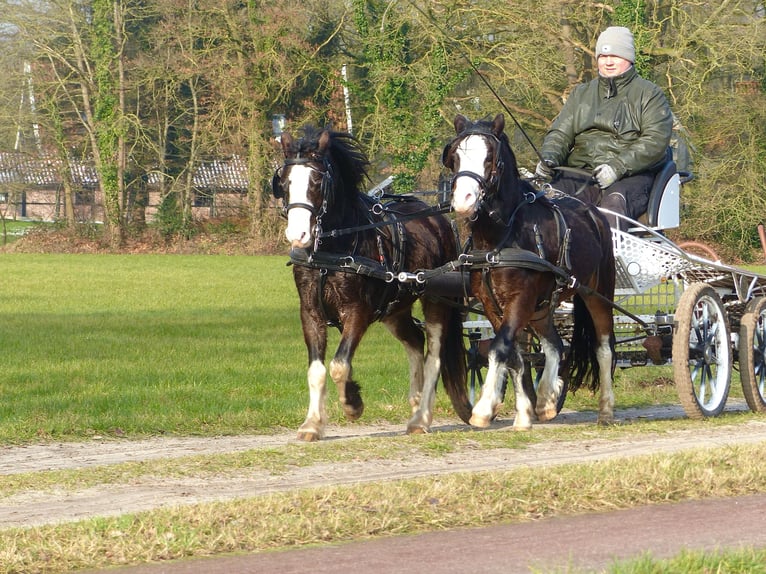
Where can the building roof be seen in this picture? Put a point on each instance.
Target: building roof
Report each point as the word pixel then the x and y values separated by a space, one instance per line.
pixel 16 167
pixel 43 171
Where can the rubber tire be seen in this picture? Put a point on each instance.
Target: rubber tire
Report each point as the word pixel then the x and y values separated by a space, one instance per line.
pixel 752 354
pixel 704 367
pixel 697 248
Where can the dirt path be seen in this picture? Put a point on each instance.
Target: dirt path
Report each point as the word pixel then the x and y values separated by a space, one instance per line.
pixel 45 507
pixel 582 543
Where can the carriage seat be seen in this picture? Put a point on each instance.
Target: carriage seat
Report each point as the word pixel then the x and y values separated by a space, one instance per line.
pixel 664 208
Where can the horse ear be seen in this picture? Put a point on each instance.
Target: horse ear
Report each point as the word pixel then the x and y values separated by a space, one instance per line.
pixel 447 157
pixel 324 141
pixel 286 139
pixel 460 123
pixel 498 124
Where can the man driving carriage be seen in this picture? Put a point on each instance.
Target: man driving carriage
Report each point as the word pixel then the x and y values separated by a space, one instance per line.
pixel 615 129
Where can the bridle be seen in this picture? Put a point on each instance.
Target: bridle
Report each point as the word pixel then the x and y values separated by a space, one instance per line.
pixel 326 185
pixel 488 186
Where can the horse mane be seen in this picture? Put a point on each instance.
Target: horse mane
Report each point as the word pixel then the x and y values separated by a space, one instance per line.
pixel 345 155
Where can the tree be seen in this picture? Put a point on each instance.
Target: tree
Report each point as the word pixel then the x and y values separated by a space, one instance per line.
pixel 78 47
pixel 157 88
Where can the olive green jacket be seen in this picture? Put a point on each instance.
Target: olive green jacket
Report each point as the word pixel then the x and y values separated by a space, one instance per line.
pixel 623 121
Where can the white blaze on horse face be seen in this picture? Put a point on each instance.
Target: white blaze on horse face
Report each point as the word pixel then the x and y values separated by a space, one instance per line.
pixel 471 153
pixel 298 230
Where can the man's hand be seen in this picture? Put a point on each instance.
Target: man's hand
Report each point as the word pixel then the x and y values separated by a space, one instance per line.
pixel 544 169
pixel 605 175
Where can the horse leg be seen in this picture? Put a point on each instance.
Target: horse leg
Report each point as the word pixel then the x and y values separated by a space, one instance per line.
pixel 504 358
pixel 551 384
pixel 606 398
pixel 524 408
pixel 603 321
pixel 422 368
pixel 341 370
pixel 603 327
pixel 315 335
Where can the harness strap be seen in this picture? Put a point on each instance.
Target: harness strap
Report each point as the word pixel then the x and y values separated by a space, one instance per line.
pixel 512 257
pixel 436 210
pixel 339 262
pixel 382 269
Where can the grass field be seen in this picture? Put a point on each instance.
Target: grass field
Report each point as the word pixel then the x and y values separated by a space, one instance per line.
pixel 161 344
pixel 133 345
pixel 11 230
pixel 137 345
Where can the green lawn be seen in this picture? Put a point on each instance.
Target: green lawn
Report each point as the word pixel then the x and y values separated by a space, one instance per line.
pixel 131 345
pixel 154 344
pixel 11 230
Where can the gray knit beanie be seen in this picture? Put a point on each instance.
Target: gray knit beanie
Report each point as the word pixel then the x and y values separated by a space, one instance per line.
pixel 616 41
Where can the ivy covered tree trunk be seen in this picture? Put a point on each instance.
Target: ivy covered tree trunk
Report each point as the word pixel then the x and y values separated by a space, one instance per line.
pixel 106 36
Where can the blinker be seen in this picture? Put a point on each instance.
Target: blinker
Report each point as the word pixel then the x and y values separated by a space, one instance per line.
pixel 276 185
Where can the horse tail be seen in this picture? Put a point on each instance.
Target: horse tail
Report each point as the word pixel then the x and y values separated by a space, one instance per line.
pixel 453 366
pixel 583 363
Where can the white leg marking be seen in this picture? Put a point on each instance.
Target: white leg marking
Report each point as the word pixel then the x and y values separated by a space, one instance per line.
pixel 491 392
pixel 314 426
pixel 551 384
pixel 524 407
pixel 606 399
pixel 339 372
pixel 416 360
pixel 422 416
pixel 415 357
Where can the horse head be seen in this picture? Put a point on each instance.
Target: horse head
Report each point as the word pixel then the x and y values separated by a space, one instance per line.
pixel 321 172
pixel 303 183
pixel 481 161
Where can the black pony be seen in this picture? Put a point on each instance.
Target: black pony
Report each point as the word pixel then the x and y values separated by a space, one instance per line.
pixel 354 262
pixel 531 252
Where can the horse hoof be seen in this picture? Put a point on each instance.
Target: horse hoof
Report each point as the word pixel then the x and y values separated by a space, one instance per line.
pixel 605 421
pixel 308 436
pixel 522 428
pixel 416 430
pixel 479 421
pixel 545 415
pixel 353 413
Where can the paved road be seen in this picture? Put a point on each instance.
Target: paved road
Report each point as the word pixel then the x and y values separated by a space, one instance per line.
pixel 590 542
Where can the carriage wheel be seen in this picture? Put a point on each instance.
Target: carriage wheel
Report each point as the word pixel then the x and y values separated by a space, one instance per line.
pixel 702 356
pixel 752 354
pixel 697 248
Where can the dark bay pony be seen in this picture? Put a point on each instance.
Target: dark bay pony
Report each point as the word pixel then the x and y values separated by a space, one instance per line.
pixel 532 252
pixel 348 252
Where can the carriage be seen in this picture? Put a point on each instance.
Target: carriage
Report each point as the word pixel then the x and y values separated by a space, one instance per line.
pixel 642 301
pixel 675 304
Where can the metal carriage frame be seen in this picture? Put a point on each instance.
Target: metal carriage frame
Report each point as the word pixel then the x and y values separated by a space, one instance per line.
pixel 702 316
